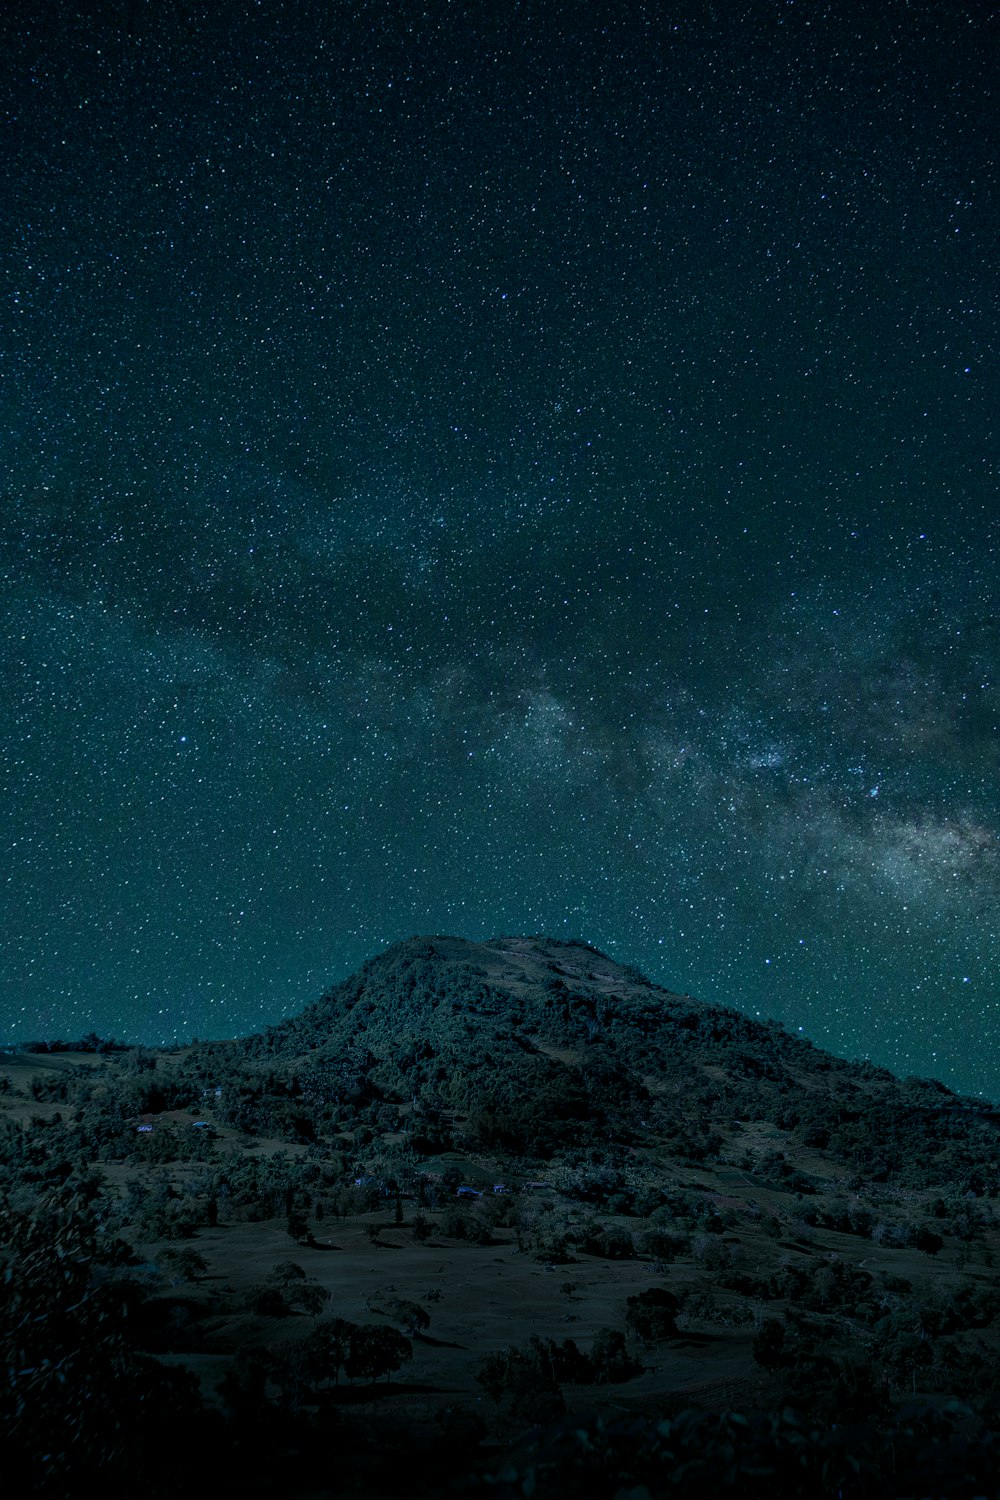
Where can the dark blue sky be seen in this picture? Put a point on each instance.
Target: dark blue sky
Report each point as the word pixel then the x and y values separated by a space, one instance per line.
pixel 502 468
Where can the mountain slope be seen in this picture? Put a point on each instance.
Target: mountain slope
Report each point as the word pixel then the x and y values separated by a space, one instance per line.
pixel 536 1047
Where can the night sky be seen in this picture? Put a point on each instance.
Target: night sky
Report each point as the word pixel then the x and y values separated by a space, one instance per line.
pixel 498 468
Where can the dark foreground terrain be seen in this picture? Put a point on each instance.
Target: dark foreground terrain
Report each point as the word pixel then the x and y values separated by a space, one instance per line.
pixel 496 1220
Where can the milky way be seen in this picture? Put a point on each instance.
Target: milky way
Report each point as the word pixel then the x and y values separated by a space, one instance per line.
pixel 491 470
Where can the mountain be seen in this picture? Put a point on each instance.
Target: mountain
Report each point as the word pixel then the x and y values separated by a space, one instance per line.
pixel 535 1046
pixel 497 1219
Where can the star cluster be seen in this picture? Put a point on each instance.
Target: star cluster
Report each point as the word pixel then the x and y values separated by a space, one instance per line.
pixel 493 469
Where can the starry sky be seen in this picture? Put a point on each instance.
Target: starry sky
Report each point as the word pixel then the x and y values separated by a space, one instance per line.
pixel 505 467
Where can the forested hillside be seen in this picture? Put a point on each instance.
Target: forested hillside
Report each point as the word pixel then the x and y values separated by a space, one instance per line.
pixel 604 1200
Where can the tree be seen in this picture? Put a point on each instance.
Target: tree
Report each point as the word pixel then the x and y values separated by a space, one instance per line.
pixel 327 1348
pixel 536 1396
pixel 295 1289
pixel 376 1349
pixel 926 1240
pixel 412 1316
pixel 185 1264
pixel 652 1315
pixel 78 1403
pixel 769 1345
pixel 492 1375
pixel 285 1273
pixel 298 1229
pixel 268 1302
pixel 610 1358
pixel 309 1297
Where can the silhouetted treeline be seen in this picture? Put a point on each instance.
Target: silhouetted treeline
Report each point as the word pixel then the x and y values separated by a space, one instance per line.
pixel 89 1043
